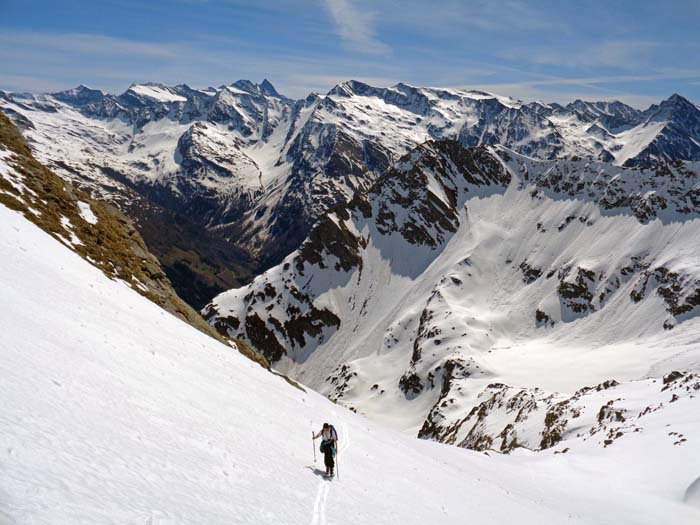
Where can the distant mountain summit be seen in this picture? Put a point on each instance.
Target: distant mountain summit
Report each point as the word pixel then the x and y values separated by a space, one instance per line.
pixel 255 169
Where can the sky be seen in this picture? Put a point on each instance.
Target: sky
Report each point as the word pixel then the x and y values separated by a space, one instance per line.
pixel 636 51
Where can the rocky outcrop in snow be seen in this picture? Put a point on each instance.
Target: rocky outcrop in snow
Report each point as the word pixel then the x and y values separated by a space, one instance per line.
pixel 461 266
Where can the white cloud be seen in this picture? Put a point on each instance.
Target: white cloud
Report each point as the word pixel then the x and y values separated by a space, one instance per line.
pixel 355 27
pixel 88 44
pixel 620 54
pixel 29 83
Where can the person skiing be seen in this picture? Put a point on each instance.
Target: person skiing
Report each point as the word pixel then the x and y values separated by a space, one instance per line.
pixel 329 445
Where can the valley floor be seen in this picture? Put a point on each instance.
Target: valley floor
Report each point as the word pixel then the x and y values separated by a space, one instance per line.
pixel 113 411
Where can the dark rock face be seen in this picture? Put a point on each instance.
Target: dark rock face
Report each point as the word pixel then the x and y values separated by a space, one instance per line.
pixel 680 293
pixel 530 273
pixel 527 126
pixel 647 192
pixel 613 116
pixel 420 198
pixel 263 338
pixel 330 237
pixel 576 289
pixel 678 140
pixel 542 319
pixel 426 217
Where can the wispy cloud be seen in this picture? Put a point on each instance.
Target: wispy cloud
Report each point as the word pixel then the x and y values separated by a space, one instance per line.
pixel 355 27
pixel 89 44
pixel 448 19
pixel 30 83
pixel 620 54
pixel 46 62
pixel 523 48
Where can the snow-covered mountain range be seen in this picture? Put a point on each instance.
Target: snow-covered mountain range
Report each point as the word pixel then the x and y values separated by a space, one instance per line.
pixel 477 271
pixel 254 170
pixel 247 166
pixel 484 298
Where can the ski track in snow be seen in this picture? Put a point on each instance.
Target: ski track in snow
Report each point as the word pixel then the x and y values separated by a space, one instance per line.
pixel 324 487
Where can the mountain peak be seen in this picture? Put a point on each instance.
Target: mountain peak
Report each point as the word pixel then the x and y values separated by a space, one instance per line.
pixel 268 89
pixel 81 88
pixel 79 94
pixel 677 100
pixel 350 88
pixel 675 106
pixel 265 88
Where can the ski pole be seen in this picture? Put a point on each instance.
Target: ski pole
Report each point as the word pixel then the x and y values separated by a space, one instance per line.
pixel 313 445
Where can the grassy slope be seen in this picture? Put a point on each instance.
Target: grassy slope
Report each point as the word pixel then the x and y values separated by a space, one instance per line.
pixel 112 244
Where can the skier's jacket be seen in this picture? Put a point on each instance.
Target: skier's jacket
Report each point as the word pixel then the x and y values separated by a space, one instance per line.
pixel 328 437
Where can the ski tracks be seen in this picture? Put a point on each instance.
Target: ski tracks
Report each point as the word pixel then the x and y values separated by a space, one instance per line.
pixel 324 487
pixel 319 516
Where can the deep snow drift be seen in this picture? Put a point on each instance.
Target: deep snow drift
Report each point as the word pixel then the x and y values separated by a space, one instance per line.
pixel 113 411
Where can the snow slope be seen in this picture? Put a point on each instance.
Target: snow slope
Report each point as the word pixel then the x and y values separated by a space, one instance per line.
pixel 115 412
pixel 156 92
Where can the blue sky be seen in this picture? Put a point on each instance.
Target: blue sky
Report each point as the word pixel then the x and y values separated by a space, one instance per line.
pixel 636 51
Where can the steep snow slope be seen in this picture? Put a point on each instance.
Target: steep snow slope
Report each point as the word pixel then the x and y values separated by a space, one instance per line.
pixel 116 412
pixel 469 272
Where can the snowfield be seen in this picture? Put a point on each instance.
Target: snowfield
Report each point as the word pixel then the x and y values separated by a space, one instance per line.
pixel 113 411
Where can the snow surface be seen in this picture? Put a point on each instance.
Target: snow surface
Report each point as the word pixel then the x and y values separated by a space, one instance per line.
pixel 159 93
pixel 633 141
pixel 86 212
pixel 116 412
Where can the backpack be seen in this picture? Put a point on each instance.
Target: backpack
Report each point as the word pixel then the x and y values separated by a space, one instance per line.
pixel 333 434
